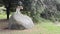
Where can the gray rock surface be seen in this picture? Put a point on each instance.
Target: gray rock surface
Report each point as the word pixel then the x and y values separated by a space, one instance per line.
pixel 20 21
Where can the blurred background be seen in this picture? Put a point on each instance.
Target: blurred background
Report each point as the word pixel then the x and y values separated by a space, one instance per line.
pixel 45 13
pixel 38 10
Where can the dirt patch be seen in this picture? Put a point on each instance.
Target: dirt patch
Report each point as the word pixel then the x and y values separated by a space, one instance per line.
pixel 3 23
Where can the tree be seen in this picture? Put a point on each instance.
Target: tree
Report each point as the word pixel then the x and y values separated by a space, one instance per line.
pixel 51 10
pixel 31 7
pixel 36 9
pixel 9 4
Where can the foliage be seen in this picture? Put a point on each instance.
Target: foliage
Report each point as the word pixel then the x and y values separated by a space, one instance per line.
pixel 51 10
pixel 33 8
pixel 48 9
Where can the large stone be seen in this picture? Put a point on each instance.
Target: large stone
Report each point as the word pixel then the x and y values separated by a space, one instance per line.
pixel 20 21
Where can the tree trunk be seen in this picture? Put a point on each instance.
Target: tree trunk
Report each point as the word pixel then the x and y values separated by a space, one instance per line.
pixel 8 10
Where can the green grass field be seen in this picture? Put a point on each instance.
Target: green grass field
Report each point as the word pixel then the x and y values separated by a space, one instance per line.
pixel 49 28
pixel 2 16
pixel 45 27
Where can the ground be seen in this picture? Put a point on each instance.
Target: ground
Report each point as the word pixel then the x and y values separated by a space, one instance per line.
pixel 40 28
pixel 43 27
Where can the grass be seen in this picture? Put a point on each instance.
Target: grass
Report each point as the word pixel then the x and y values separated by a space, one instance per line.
pixel 2 16
pixel 40 28
pixel 49 28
